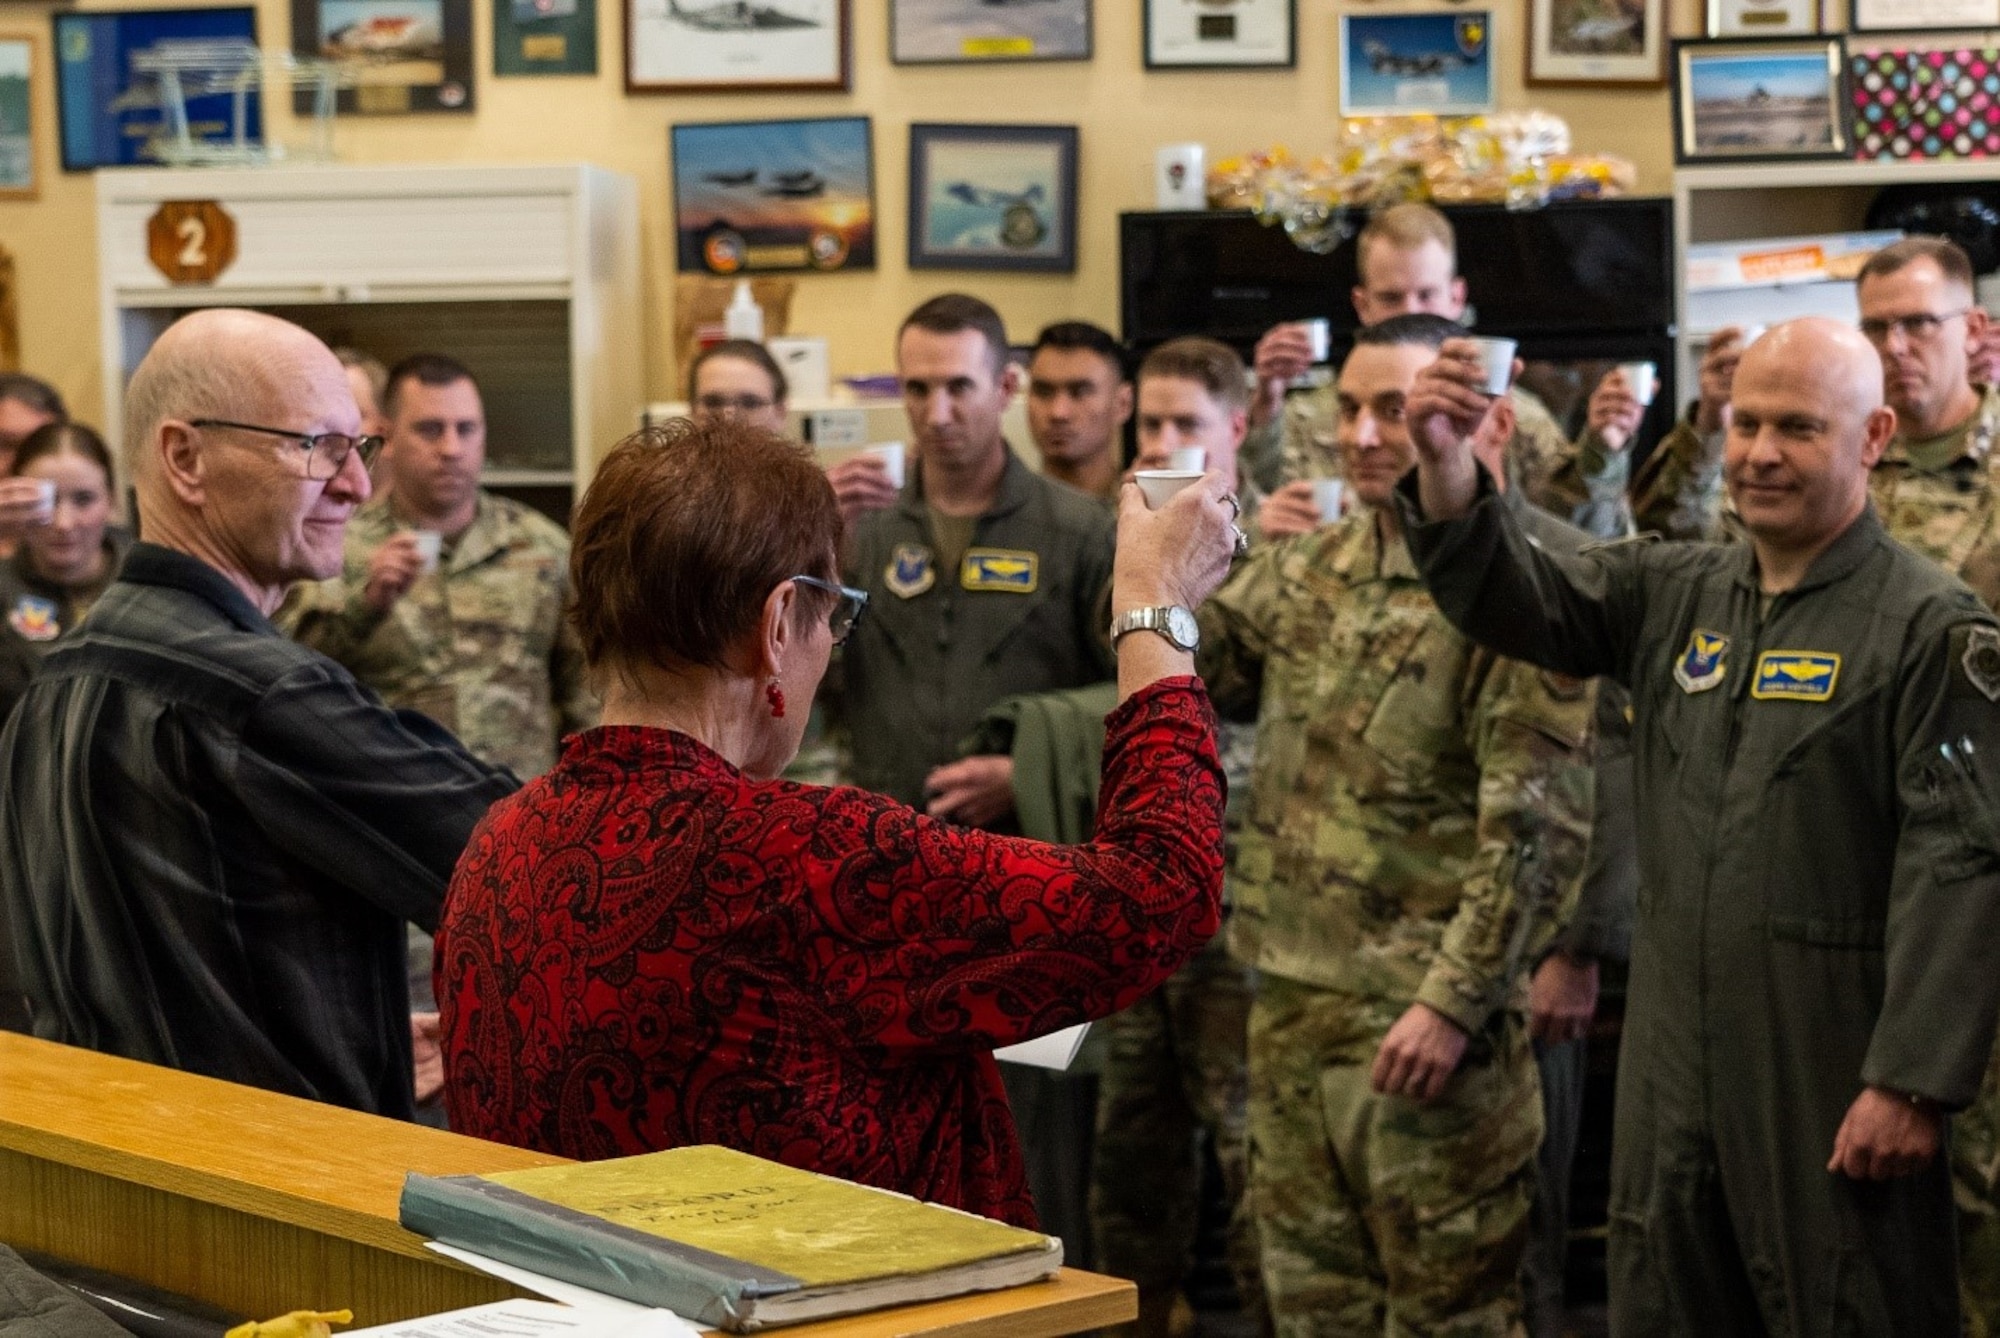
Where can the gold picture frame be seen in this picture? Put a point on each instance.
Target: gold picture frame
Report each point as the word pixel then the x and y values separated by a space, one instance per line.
pixel 23 76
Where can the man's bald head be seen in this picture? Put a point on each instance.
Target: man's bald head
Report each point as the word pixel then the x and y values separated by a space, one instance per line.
pixel 1828 354
pixel 219 418
pixel 218 363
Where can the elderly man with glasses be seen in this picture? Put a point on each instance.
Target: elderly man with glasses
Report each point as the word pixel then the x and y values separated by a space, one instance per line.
pixel 214 836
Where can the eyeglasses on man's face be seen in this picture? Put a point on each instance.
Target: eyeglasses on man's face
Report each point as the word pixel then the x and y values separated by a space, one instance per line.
pixel 847 607
pixel 326 452
pixel 726 404
pixel 1917 327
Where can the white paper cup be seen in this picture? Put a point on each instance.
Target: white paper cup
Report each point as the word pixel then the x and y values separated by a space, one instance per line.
pixel 45 501
pixel 890 453
pixel 1186 458
pixel 1320 331
pixel 1749 336
pixel 430 547
pixel 1328 494
pixel 1643 379
pixel 1497 357
pixel 1160 484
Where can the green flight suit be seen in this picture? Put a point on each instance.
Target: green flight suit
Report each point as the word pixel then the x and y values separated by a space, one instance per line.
pixel 1418 819
pixel 1819 893
pixel 1024 612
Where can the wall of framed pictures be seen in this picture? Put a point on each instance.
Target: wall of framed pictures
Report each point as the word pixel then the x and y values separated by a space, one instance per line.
pixel 595 80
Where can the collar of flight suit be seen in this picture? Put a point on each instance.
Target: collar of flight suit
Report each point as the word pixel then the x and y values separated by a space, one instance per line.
pixel 1017 488
pixel 1838 561
pixel 1978 429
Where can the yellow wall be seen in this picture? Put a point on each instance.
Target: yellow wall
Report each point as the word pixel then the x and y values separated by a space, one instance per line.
pixel 1123 111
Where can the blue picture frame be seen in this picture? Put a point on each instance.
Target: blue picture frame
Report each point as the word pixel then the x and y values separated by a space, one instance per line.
pixel 1439 63
pixel 94 50
pixel 993 197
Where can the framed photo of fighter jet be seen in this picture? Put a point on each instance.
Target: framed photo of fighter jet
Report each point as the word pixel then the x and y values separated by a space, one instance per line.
pixel 753 196
pixel 1601 43
pixel 993 197
pixel 1398 64
pixel 736 46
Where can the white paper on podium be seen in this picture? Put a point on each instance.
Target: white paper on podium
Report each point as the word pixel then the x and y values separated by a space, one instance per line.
pixel 518 1318
pixel 612 1316
pixel 1054 1051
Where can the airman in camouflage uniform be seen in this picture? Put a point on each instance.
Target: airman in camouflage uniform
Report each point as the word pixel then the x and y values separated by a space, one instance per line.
pixel 480 644
pixel 1174 1066
pixel 1418 823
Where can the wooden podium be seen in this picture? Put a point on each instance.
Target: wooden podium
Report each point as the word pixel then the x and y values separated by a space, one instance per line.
pixel 260 1203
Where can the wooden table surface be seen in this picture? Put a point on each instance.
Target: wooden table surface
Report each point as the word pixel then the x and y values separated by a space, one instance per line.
pixel 261 1203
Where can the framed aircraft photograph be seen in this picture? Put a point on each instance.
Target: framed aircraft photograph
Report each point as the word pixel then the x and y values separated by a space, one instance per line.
pixel 940 32
pixel 759 196
pixel 993 197
pixel 1397 64
pixel 736 46
pixel 407 55
pixel 1599 43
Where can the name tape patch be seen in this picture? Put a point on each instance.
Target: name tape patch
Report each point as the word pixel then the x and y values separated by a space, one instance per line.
pixel 1795 675
pixel 1003 569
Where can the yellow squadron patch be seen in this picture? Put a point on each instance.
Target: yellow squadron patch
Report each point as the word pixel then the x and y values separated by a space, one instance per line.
pixel 1701 665
pixel 1795 675
pixel 1005 569
pixel 911 571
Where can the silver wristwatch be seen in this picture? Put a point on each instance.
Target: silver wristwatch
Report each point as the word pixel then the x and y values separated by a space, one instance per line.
pixel 1172 621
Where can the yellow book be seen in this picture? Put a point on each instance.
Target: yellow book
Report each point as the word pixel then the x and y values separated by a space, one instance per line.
pixel 725 1238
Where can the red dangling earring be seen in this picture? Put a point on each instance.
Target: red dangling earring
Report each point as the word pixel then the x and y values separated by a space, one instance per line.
pixel 776 696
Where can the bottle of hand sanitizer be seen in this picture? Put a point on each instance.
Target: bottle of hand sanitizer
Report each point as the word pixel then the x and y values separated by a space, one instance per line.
pixel 744 319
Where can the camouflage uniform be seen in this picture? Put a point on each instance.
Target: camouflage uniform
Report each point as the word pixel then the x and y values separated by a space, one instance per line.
pixel 1419 816
pixel 1583 484
pixel 1174 1070
pixel 480 645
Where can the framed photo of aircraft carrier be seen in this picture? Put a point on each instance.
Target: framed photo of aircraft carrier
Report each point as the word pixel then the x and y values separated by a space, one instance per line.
pixel 942 32
pixel 1397 64
pixel 1602 43
pixel 1221 34
pixel 736 46
pixel 993 197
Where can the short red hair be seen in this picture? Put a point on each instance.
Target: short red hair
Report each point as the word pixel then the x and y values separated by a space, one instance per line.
pixel 683 534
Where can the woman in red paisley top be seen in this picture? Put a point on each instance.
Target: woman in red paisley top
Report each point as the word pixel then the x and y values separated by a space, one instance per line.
pixel 660 943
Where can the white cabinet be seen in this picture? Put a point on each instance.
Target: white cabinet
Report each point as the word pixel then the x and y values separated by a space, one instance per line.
pixel 1759 200
pixel 528 275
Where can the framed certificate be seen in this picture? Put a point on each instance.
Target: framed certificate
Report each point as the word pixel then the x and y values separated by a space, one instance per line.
pixel 1763 18
pixel 1221 34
